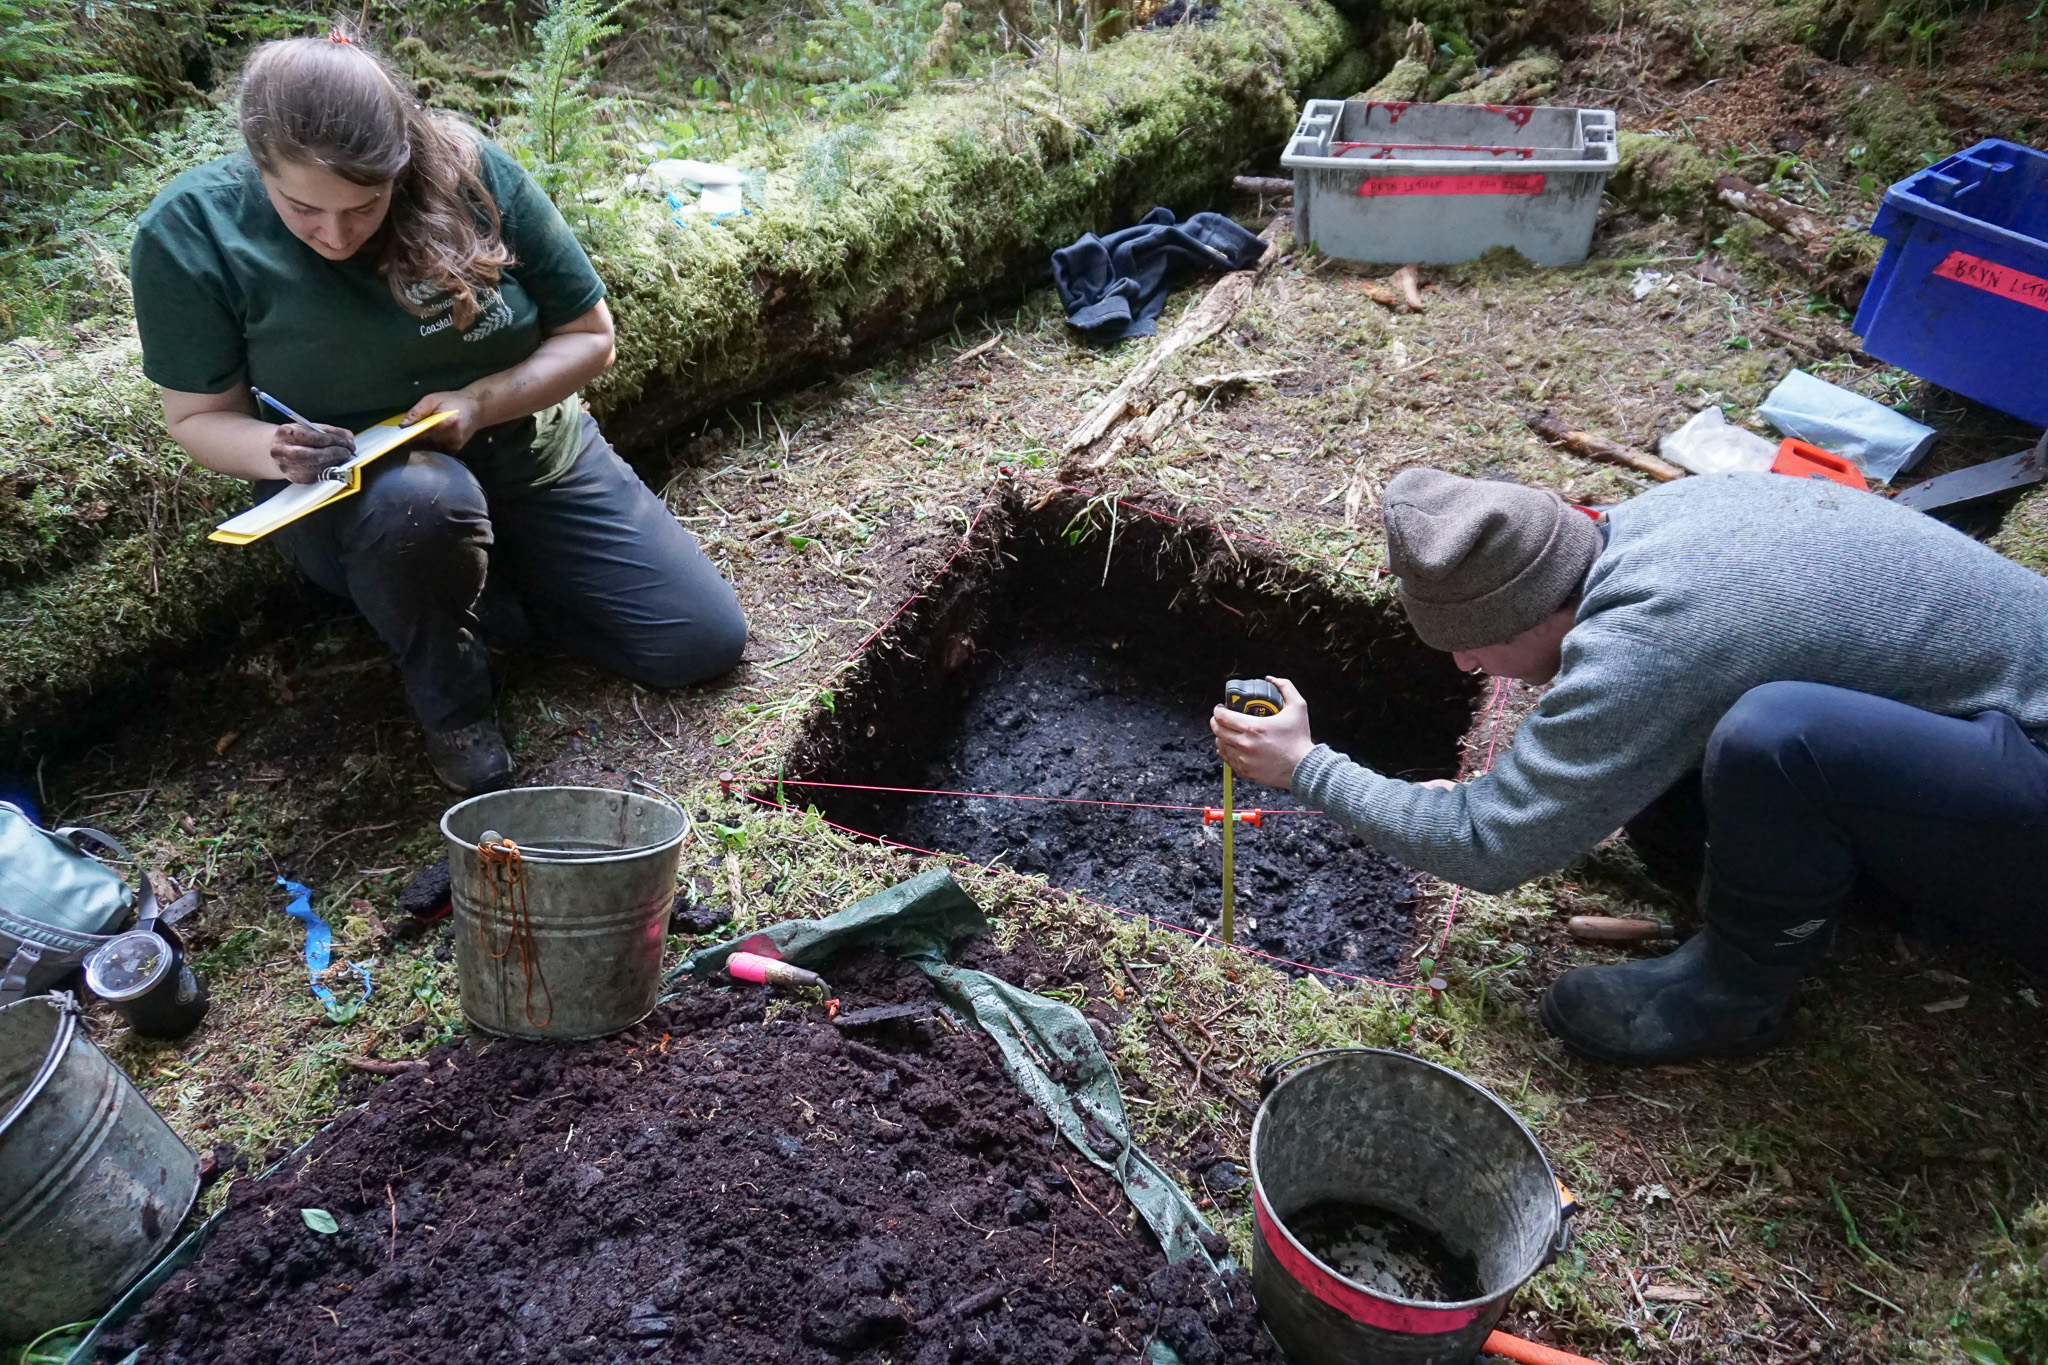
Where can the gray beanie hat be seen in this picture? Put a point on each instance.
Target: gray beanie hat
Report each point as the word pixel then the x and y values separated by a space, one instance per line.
pixel 1479 562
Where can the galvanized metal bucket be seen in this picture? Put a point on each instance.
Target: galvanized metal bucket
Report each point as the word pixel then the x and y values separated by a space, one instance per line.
pixel 93 1183
pixel 1385 1129
pixel 563 942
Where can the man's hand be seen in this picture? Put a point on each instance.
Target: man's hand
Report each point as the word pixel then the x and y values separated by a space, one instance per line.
pixel 1264 749
pixel 465 418
pixel 305 453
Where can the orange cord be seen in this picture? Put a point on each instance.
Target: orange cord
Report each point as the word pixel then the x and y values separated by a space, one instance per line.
pixel 500 867
pixel 1529 1352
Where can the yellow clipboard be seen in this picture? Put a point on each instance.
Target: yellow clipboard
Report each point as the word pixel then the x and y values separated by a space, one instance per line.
pixel 288 505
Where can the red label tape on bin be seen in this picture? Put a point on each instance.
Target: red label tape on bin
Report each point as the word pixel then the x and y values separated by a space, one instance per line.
pixel 2001 280
pixel 1520 182
pixel 1353 1302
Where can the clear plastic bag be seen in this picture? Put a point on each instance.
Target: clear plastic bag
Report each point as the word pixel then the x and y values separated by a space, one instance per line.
pixel 1879 440
pixel 1711 444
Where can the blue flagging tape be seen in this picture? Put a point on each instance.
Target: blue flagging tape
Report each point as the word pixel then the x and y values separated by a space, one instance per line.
pixel 319 943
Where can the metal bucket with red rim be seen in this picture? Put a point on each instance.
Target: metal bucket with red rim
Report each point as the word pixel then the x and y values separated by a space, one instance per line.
pixel 1394 1132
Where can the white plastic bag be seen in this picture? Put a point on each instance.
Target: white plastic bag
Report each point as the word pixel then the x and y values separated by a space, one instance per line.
pixel 718 188
pixel 1710 444
pixel 1879 440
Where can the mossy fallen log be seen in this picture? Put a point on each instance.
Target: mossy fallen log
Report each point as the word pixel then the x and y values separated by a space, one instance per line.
pixel 103 559
pixel 949 195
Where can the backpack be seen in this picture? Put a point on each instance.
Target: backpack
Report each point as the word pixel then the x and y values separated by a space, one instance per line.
pixel 57 901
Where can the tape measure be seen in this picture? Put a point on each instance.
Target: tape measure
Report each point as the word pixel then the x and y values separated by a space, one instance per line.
pixel 1253 697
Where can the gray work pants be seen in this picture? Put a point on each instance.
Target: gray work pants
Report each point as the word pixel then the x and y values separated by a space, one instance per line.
pixel 592 563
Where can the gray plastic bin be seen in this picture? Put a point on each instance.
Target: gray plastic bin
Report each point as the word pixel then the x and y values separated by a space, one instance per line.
pixel 1388 181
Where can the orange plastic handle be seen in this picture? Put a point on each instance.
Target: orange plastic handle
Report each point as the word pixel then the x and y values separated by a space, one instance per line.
pixel 1529 1352
pixel 1801 460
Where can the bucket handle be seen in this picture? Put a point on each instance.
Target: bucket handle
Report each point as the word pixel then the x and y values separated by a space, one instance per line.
pixel 637 782
pixel 1271 1074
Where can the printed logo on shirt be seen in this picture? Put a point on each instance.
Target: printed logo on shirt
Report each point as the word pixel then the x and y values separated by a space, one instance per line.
pixel 1806 930
pixel 493 313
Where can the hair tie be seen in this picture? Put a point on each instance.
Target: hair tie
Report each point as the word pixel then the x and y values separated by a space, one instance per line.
pixel 335 35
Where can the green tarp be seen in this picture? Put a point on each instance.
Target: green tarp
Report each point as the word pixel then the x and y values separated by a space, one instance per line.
pixel 920 920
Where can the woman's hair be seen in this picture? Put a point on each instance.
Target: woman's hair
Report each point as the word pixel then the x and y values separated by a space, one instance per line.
pixel 331 103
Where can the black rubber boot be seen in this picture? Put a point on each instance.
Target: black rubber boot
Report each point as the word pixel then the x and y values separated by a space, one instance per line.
pixel 1707 999
pixel 471 760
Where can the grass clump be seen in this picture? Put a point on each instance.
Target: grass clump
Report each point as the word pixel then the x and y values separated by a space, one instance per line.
pixel 2009 1305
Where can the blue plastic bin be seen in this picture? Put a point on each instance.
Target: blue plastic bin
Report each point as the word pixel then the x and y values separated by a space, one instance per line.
pixel 1960 296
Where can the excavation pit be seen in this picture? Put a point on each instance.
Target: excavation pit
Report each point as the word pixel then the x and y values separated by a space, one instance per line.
pixel 1048 662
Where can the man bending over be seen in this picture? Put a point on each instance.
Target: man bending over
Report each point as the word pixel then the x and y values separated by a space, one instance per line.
pixel 1859 692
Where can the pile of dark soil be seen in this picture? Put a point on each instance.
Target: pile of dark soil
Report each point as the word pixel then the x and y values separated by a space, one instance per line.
pixel 1054 717
pixel 714 1185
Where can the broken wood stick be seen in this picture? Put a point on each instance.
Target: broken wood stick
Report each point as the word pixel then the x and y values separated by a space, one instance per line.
pixel 1221 304
pixel 1596 447
pixel 983 349
pixel 1809 230
pixel 1825 347
pixel 1218 381
pixel 1202 1077
pixel 1802 241
pixel 1408 279
pixel 1270 186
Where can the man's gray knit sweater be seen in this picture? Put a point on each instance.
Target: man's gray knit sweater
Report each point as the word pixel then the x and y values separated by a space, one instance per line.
pixel 1708 587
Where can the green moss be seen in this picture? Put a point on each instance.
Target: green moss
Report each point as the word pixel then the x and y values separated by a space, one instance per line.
pixel 952 193
pixel 1409 80
pixel 2009 1304
pixel 87 626
pixel 85 460
pixel 1898 135
pixel 1656 176
pixel 1354 70
pixel 1519 82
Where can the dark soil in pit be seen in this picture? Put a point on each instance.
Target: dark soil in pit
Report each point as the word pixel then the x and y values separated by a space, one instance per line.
pixel 1055 718
pixel 1035 672
pixel 713 1185
pixel 1382 1250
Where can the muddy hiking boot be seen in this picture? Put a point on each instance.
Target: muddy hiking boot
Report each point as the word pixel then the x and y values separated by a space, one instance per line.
pixel 470 760
pixel 1707 999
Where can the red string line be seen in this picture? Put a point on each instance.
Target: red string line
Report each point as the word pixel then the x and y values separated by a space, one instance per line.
pixel 1494 705
pixel 1005 796
pixel 1493 710
pixel 1101 905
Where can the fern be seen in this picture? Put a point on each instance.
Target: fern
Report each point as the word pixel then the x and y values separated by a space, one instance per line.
pixel 829 162
pixel 875 52
pixel 45 73
pixel 557 143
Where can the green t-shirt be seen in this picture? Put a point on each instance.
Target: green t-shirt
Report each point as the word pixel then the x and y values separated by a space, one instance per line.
pixel 225 295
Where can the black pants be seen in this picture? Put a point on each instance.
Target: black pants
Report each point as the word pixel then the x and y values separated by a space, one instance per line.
pixel 593 563
pixel 1808 793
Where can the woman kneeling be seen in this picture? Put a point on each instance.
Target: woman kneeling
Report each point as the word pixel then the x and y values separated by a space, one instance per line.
pixel 363 258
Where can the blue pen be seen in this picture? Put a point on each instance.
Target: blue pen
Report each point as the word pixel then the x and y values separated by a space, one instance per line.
pixel 263 397
pixel 336 473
